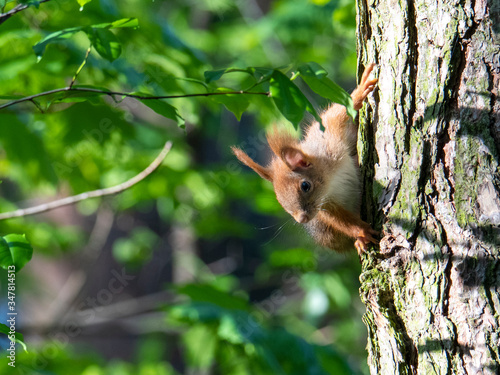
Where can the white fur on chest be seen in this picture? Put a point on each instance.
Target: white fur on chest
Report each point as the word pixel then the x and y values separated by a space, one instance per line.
pixel 343 187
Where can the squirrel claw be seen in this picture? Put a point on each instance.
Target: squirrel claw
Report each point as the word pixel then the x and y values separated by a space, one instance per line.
pixel 366 74
pixel 365 237
pixel 360 247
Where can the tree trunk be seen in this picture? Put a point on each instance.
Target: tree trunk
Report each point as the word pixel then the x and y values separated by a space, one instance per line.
pixel 430 161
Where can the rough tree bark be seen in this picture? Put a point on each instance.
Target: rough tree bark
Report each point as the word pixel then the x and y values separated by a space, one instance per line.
pixel 430 160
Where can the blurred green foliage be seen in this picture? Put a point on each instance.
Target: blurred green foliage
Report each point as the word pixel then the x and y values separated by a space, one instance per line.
pixel 284 307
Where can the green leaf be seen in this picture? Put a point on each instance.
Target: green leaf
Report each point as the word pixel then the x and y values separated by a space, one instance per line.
pixel 39 48
pixel 288 98
pixel 207 293
pixel 76 96
pixel 192 80
pixel 30 151
pixel 18 337
pixel 236 103
pixel 163 108
pixel 82 3
pixel 34 3
pixel 204 312
pixel 15 250
pixel 105 43
pixel 314 69
pixel 337 290
pixel 214 75
pixel 124 22
pixel 201 344
pixel 315 77
pixel 261 74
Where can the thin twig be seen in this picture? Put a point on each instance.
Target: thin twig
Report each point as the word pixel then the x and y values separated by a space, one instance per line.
pixel 80 67
pixel 5 16
pixel 117 93
pixel 37 105
pixel 91 194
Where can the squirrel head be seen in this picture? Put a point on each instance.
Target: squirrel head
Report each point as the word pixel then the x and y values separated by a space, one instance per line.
pixel 296 176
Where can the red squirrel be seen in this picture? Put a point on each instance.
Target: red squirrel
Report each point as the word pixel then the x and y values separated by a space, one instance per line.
pixel 316 180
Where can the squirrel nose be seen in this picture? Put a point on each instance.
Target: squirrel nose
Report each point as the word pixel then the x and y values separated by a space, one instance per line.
pixel 301 217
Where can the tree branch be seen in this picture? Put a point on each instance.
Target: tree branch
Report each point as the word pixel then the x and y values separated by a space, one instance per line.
pixel 135 96
pixel 5 16
pixel 91 194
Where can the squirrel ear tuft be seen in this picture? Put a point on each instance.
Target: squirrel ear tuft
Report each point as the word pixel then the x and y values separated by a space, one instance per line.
pixel 294 158
pixel 279 139
pixel 265 173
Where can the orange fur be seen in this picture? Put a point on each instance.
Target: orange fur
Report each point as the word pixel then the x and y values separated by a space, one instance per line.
pixel 316 180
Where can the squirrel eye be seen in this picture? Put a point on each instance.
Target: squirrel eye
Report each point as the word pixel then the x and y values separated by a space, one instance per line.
pixel 305 186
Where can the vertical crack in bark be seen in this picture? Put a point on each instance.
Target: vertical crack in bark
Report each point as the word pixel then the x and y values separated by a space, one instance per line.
pixel 441 158
pixel 369 157
pixel 446 249
pixel 364 24
pixel 425 170
pixel 382 312
pixel 413 68
pixel 410 120
pixel 493 114
pixel 369 206
pixel 489 283
pixel 408 349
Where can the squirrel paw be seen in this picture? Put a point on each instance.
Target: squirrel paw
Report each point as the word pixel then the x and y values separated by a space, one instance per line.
pixel 364 238
pixel 365 87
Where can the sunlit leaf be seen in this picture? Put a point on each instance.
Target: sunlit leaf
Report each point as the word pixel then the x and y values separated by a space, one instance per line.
pixel 236 103
pixel 15 250
pixel 315 77
pixel 289 99
pixel 261 74
pixel 39 48
pixel 161 107
pixel 215 75
pixel 105 43
pixel 83 2
pixel 201 343
pixel 124 22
